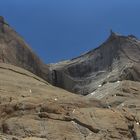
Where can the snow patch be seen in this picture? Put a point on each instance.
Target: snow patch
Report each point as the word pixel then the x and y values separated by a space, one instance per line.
pixel 122 104
pixel 99 85
pixel 118 81
pixel 92 93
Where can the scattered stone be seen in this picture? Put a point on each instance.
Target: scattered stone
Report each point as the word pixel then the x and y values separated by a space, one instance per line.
pixel 30 91
pixel 73 111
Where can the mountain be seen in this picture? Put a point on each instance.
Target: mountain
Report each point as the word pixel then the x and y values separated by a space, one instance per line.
pixel 33 109
pixel 14 50
pixel 117 59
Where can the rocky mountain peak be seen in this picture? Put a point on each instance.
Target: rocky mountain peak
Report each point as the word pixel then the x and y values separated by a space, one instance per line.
pixel 14 50
pixel 113 34
pixel 1 19
pixel 108 75
pixel 116 59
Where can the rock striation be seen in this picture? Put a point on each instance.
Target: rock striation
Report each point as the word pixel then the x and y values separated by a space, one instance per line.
pixel 32 109
pixel 117 59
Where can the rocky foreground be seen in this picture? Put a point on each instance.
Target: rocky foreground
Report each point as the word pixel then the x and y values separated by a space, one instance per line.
pixel 33 109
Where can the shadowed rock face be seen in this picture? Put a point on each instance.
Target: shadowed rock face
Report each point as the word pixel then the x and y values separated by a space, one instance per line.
pixel 15 51
pixel 118 58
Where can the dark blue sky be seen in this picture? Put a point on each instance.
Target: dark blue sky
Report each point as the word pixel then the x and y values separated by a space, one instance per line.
pixel 62 29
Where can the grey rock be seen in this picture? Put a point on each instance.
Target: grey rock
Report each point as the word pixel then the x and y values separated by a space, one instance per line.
pixel 118 58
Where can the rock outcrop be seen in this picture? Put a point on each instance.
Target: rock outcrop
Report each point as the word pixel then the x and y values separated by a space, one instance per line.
pixel 116 59
pixel 33 109
pixel 15 51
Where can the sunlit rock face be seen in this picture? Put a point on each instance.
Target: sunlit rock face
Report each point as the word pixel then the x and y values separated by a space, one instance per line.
pixel 14 50
pixel 32 109
pixel 118 58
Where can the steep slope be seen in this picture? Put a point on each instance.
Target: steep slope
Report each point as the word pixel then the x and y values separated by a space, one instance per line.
pixel 15 51
pixel 116 59
pixel 31 109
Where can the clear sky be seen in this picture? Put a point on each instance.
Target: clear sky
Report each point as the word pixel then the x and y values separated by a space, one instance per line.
pixel 62 29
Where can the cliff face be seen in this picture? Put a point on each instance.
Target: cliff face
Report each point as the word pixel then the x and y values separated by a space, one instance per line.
pixel 117 59
pixel 15 51
pixel 32 109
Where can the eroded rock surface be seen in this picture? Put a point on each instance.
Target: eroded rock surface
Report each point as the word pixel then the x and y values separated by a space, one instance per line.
pixel 118 58
pixel 32 109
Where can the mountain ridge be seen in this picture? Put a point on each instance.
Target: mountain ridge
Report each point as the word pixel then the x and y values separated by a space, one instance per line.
pixel 14 50
pixel 33 109
pixel 114 52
